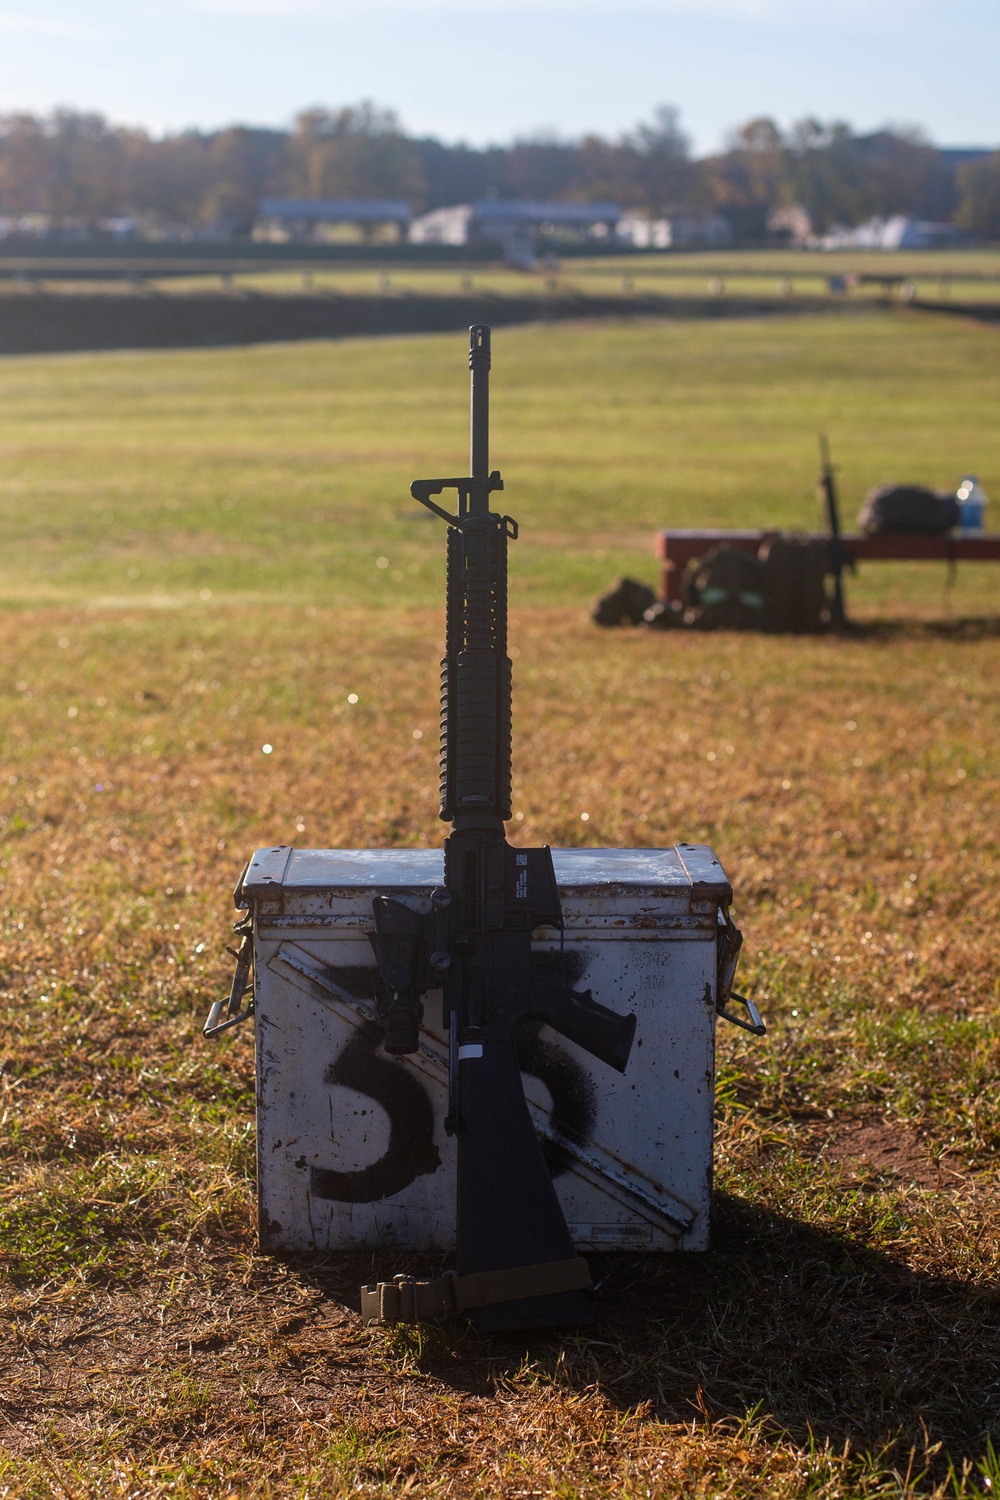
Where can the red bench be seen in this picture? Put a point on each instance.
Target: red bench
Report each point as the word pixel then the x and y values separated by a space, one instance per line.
pixel 675 548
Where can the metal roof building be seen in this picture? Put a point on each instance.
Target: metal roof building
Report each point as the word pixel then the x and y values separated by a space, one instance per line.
pixel 300 217
pixel 511 222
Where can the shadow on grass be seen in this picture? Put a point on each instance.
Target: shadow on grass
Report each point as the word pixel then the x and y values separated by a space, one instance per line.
pixel 954 628
pixel 829 1340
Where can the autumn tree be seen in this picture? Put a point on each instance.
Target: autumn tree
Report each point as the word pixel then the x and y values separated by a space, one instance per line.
pixel 78 169
pixel 661 166
pixel 24 165
pixel 358 151
pixel 74 167
pixel 979 197
pixel 751 178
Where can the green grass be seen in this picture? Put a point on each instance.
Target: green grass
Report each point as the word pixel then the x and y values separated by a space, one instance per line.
pixel 282 472
pixel 914 263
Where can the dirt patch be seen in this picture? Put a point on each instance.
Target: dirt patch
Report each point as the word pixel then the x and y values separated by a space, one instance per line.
pixel 892 1149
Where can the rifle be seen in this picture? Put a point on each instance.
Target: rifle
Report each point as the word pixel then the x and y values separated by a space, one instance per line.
pixel 516 1266
pixel 839 559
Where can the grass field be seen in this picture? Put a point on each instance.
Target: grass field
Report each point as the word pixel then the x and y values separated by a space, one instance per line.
pixel 282 473
pixel 842 1338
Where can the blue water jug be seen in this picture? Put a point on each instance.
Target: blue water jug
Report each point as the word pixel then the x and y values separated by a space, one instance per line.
pixel 971 499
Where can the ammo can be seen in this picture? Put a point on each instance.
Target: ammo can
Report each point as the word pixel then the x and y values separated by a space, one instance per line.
pixel 351 1145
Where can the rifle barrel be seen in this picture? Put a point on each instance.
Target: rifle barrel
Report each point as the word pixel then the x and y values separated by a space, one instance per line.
pixel 479 458
pixel 828 485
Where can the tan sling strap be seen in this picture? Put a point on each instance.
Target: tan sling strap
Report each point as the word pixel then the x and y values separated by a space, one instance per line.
pixel 406 1300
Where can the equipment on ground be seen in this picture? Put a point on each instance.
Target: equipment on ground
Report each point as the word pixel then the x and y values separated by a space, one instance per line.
pixel 795 571
pixel 781 588
pixel 725 590
pixel 770 580
pixel 625 604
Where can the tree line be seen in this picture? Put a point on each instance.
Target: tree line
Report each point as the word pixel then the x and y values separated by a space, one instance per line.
pixel 72 168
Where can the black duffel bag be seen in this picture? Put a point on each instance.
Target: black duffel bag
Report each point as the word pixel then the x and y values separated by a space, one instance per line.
pixel 624 605
pixel 901 508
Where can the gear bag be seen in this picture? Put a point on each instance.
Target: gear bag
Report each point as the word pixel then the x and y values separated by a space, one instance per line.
pixel 795 569
pixel 901 508
pixel 624 605
pixel 781 589
pixel 725 590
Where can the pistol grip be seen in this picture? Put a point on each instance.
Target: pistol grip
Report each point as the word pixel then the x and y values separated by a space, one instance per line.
pixel 577 1016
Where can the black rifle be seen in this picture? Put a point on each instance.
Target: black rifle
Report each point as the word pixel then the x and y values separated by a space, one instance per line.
pixel 516 1263
pixel 839 559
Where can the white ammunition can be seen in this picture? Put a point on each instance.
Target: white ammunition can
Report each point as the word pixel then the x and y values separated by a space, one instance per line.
pixel 351 1146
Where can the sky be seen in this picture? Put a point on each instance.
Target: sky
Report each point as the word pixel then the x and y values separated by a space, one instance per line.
pixel 479 72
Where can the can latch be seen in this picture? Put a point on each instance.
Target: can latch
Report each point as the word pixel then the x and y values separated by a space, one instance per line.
pixel 730 943
pixel 242 987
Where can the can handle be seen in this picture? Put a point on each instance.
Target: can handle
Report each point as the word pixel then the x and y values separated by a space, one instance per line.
pixel 212 1025
pixel 241 989
pixel 755 1023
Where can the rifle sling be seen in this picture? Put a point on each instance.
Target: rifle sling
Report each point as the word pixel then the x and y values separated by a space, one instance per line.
pixel 406 1300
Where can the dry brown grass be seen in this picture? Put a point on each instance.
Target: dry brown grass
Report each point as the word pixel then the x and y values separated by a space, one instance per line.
pixel 842 1336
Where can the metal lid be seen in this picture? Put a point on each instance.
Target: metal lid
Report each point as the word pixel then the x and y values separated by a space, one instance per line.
pixel 691 868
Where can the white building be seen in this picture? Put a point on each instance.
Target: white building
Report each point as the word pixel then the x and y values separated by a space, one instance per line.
pixel 302 218
pixel 681 231
pixel 443 226
pixel 793 223
pixel 896 233
pixel 644 233
pixel 518 226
